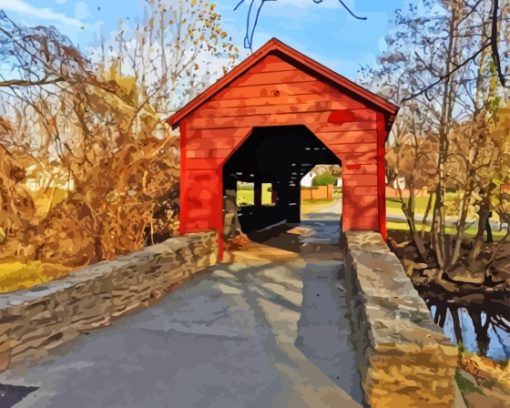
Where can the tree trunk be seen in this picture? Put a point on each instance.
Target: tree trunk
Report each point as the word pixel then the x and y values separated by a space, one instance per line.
pixel 460 230
pixel 457 329
pixel 448 98
pixel 488 229
pixel 426 215
pixel 408 210
pixel 483 219
pixel 482 337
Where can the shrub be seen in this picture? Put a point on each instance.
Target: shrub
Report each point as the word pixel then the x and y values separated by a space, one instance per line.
pixel 325 179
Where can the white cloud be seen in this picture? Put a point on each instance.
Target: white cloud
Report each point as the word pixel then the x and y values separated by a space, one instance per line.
pixel 20 6
pixel 81 10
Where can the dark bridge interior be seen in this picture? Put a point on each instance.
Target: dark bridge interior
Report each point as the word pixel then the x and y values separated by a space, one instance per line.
pixel 279 155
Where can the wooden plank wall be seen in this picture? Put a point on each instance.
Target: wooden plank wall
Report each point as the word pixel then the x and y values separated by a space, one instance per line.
pixel 275 93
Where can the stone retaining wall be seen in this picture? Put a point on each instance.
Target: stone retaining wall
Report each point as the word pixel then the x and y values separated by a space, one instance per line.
pixel 37 320
pixel 404 359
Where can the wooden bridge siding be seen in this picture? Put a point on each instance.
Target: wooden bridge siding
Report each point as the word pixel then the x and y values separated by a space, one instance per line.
pixel 275 93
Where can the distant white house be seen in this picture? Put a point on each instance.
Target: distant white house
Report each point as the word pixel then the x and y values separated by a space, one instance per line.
pixel 399 182
pixel 307 179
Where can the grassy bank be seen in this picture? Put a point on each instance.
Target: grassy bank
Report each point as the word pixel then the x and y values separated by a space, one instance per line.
pixel 18 275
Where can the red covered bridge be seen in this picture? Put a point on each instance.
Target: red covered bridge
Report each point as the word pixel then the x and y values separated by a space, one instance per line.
pixel 270 120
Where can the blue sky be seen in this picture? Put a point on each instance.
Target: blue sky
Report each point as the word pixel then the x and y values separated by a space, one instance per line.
pixel 325 31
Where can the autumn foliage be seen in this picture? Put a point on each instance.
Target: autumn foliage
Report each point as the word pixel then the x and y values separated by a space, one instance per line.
pixel 88 168
pixel 445 64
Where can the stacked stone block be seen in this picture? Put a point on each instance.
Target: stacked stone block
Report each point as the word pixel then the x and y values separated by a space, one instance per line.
pixel 404 359
pixel 32 322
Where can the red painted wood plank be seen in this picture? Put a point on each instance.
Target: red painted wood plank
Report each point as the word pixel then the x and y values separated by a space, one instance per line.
pixel 366 223
pixel 218 208
pixel 322 106
pixel 197 154
pixel 357 212
pixel 196 213
pixel 353 148
pixel 363 201
pixel 341 127
pixel 363 158
pixel 183 208
pixel 381 173
pixel 270 78
pixel 271 63
pixel 198 225
pixel 201 194
pixel 303 61
pixel 219 153
pixel 234 132
pixel 360 180
pixel 224 142
pixel 347 137
pixel 358 168
pixel 258 120
pixel 203 164
pixel 200 174
pixel 258 91
pixel 352 115
pixel 341 100
pixel 363 190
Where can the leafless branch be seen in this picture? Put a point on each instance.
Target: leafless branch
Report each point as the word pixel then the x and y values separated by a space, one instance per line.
pixel 494 42
pixel 447 75
pixel 26 82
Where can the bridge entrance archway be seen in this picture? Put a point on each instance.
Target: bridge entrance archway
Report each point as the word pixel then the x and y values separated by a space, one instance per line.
pixel 275 88
pixel 267 169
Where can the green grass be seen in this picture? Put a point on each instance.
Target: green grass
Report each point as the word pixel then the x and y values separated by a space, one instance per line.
pixel 420 204
pixel 246 195
pixel 466 385
pixel 394 206
pixel 267 197
pixel 402 225
pixel 318 202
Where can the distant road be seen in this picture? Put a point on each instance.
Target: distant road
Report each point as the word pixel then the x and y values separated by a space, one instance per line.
pixel 336 208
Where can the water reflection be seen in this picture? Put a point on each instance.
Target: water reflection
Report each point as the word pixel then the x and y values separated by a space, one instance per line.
pixel 481 328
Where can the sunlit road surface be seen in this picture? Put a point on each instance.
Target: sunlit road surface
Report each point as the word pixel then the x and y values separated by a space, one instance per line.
pixel 270 330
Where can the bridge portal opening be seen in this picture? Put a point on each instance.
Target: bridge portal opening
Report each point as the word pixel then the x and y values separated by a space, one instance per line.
pixel 262 179
pixel 321 192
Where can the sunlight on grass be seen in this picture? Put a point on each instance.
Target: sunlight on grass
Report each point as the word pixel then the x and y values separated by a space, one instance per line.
pixel 310 206
pixel 246 195
pixel 394 207
pixel 470 232
pixel 18 275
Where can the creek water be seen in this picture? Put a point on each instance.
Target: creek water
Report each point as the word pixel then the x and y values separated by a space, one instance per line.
pixel 483 329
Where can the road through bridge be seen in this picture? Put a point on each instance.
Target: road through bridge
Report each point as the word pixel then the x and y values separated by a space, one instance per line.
pixel 269 330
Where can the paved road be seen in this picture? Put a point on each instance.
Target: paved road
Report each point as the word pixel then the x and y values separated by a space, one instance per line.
pixel 257 333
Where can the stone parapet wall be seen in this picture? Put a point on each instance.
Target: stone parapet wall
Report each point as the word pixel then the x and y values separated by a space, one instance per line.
pixel 404 359
pixel 32 322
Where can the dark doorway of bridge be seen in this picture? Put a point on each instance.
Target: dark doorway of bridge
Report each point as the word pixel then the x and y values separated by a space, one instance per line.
pixel 268 180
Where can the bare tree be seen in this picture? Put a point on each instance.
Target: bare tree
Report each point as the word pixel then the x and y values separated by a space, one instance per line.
pixel 87 129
